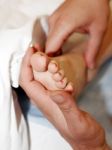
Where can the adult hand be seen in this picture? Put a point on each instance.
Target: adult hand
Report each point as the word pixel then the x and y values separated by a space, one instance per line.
pixel 89 16
pixel 84 133
pixel 76 126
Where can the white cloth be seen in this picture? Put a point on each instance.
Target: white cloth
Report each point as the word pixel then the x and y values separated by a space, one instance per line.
pixel 13 130
pixel 15 35
pixel 44 136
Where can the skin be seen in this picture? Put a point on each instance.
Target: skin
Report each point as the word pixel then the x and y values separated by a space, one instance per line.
pixel 71 63
pixel 68 71
pixel 73 123
pixel 83 16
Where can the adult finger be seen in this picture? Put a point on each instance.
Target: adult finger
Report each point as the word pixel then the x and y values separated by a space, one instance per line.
pixel 26 71
pixel 58 34
pixel 93 47
pixel 38 36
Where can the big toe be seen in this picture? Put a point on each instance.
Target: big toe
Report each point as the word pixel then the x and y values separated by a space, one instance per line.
pixel 39 61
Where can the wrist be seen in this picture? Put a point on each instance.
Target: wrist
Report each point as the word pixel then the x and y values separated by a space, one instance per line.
pixel 106 147
pixel 84 147
pixel 101 146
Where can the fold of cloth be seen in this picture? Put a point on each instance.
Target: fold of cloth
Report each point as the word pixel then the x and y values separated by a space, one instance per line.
pixel 13 129
pixel 13 45
pixel 15 36
pixel 23 42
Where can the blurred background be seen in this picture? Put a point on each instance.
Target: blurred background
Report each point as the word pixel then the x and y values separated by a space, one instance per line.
pixel 97 99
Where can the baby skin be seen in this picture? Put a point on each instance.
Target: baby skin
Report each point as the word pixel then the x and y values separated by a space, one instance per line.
pixel 68 72
pixel 65 72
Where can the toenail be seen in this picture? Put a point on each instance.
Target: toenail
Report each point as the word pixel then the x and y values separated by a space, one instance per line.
pixel 54 63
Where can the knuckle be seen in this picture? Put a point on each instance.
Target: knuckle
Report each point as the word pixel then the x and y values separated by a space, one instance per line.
pixel 61 22
pixel 66 105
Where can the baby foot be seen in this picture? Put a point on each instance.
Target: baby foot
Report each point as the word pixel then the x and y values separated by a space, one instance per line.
pixel 49 73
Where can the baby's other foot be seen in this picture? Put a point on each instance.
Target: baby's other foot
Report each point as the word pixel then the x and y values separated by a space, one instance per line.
pixel 48 72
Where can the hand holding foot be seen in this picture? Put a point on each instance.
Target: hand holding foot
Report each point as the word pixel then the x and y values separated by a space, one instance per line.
pixel 72 123
pixel 66 72
pixel 48 72
pixel 84 16
pixel 83 132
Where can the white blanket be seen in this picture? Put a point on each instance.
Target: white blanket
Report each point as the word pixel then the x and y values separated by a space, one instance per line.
pixel 16 21
pixel 13 131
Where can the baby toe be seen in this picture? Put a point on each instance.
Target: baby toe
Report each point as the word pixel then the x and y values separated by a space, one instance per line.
pixel 69 87
pixel 58 76
pixel 62 84
pixel 53 67
pixel 39 61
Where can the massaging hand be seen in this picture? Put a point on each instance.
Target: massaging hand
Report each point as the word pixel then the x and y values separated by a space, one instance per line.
pixel 89 16
pixel 76 126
